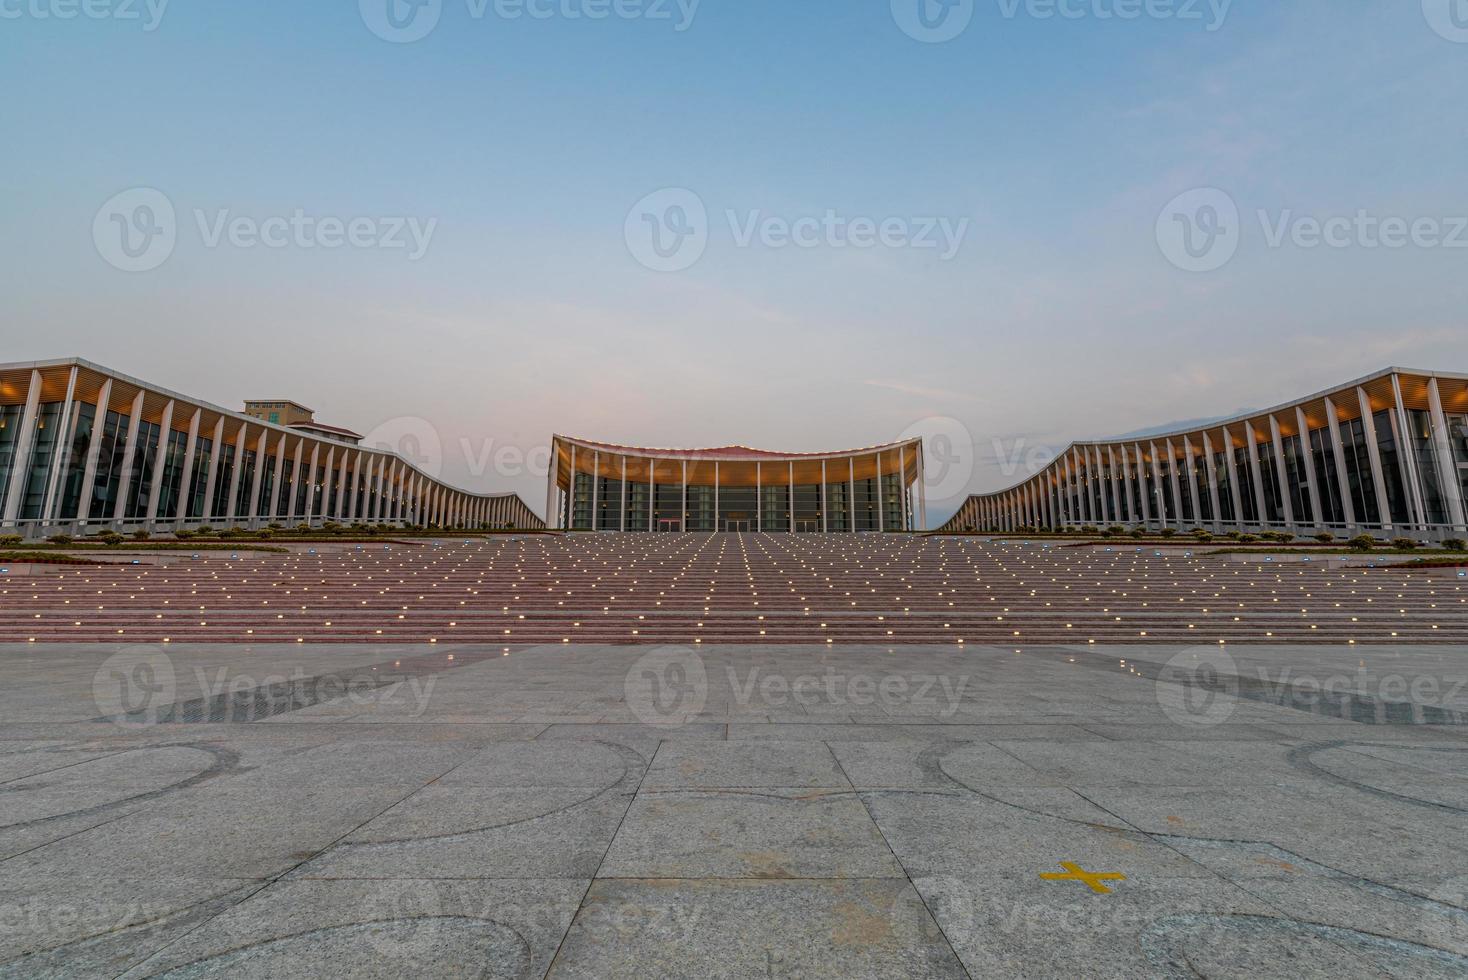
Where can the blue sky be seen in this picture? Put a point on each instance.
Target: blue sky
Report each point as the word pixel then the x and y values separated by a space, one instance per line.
pixel 1058 142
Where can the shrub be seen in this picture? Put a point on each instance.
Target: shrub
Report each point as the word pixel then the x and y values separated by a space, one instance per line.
pixel 60 539
pixel 1169 532
pixel 1283 537
pixel 9 540
pixel 1325 537
pixel 1362 542
pixel 1090 529
pixel 1404 544
pixel 1138 532
pixel 232 532
pixel 141 535
pixel 1235 535
pixel 264 534
pixel 1455 544
pixel 204 531
pixel 183 535
pixel 1116 530
pixel 1247 538
pixel 111 538
pixel 303 529
pixel 1203 536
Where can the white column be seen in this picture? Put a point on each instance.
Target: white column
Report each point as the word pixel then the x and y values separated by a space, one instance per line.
pixel 902 486
pixel 298 469
pixel 231 505
pixel 1144 484
pixel 825 510
pixel 1373 453
pixel 259 474
pixel 851 491
pixel 1175 480
pixel 1233 475
pixel 129 458
pixel 1447 466
pixel 623 518
pixel 160 460
pixel 595 490
pixel 683 515
pixel 718 520
pixel 1210 466
pixel 211 475
pixel 881 498
pixel 1414 484
pixel 571 493
pixel 1282 472
pixel 1260 506
pixel 1339 449
pixel 94 453
pixel 60 453
pixel 1307 455
pixel 759 501
pixel 186 478
pixel 791 528
pixel 25 440
pixel 1192 466
pixel 652 495
pixel 550 486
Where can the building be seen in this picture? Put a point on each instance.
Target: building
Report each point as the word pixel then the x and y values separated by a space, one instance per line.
pixel 279 412
pixel 1386 454
pixel 84 448
pixel 603 487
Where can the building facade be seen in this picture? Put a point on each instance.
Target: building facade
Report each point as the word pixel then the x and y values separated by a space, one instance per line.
pixel 84 448
pixel 1386 454
pixel 604 487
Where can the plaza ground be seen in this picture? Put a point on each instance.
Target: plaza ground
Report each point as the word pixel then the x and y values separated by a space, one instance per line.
pixel 770 805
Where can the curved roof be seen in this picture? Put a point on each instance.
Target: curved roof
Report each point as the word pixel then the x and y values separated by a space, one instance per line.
pixel 727 452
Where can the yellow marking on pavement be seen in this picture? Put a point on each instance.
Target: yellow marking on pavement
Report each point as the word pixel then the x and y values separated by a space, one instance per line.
pixel 1092 879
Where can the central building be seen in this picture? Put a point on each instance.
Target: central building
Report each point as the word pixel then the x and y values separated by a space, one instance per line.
pixel 597 486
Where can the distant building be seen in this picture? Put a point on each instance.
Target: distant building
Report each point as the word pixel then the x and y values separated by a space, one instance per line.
pixel 1387 454
pixel 602 487
pixel 85 448
pixel 279 412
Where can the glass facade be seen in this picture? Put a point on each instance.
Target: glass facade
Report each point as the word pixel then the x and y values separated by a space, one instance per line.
pixel 70 464
pixel 736 494
pixel 1398 467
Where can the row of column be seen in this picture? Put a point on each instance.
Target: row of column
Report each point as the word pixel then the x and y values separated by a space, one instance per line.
pixel 563 503
pixel 387 488
pixel 1076 490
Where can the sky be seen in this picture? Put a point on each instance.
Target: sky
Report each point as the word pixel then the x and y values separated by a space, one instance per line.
pixel 793 224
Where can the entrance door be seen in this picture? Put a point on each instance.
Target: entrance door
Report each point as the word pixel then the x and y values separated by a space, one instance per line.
pixel 736 527
pixel 807 527
pixel 669 525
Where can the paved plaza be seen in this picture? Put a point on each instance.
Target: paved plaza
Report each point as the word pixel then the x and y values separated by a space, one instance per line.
pixel 379 808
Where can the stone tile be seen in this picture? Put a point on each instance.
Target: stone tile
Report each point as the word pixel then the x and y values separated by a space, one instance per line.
pixel 718 765
pixel 418 928
pixel 871 928
pixel 480 832
pixel 791 833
